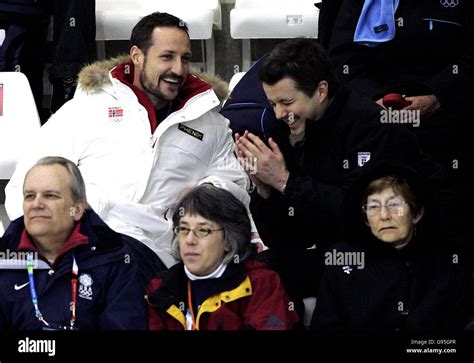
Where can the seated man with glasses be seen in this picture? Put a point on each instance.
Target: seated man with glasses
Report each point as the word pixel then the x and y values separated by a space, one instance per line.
pixel 217 285
pixel 66 269
pixel 391 274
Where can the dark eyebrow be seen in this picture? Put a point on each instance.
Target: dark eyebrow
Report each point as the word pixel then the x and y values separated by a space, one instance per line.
pixel 281 100
pixel 168 51
pixel 26 191
pixel 199 224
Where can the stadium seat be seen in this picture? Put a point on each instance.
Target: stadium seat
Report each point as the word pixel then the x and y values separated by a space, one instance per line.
pixel 235 79
pixel 309 306
pixel 19 120
pixel 115 20
pixel 270 19
pixel 4 221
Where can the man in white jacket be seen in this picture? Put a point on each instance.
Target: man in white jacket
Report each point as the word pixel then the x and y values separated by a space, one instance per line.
pixel 142 130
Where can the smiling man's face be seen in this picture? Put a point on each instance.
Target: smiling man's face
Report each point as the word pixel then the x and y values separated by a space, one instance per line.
pixel 293 106
pixel 161 72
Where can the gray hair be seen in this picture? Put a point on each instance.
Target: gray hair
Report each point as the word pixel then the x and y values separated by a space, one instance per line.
pixel 219 206
pixel 76 182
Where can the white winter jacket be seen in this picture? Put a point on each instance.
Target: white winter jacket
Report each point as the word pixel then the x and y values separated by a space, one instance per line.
pixel 133 177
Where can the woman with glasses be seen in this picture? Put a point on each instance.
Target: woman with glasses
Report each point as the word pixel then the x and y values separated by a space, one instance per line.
pixel 216 285
pixel 388 274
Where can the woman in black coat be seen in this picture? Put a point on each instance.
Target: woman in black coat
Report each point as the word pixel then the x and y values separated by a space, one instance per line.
pixel 389 275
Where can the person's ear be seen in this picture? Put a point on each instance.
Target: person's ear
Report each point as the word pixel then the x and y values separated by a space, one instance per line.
pixel 227 247
pixel 77 211
pixel 136 55
pixel 420 214
pixel 322 90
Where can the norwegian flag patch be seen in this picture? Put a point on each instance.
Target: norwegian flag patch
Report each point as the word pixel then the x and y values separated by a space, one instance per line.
pixel 115 114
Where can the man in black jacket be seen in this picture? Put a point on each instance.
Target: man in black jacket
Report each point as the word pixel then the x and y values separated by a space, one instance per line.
pixel 300 182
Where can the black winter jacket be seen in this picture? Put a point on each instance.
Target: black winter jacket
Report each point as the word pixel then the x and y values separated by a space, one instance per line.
pixel 423 286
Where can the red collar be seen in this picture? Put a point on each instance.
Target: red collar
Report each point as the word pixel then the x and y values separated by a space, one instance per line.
pixel 191 87
pixel 75 239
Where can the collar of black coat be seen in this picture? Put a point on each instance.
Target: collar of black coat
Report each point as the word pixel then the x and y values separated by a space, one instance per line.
pixel 331 117
pixel 101 238
pixel 172 290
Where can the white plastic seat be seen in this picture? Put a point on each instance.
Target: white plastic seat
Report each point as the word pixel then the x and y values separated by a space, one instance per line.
pixel 4 221
pixel 309 306
pixel 235 79
pixel 272 19
pixel 19 121
pixel 115 19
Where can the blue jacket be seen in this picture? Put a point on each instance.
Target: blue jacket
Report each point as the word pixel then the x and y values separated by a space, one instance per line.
pixel 110 296
pixel 248 103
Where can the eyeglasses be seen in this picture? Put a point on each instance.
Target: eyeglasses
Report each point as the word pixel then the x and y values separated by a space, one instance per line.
pixel 393 206
pixel 198 232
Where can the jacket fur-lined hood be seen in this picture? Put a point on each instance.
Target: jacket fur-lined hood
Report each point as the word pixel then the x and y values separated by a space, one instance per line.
pixel 96 75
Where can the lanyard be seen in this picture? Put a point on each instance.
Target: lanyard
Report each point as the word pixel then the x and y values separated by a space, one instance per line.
pixel 190 320
pixel 75 272
pixel 34 296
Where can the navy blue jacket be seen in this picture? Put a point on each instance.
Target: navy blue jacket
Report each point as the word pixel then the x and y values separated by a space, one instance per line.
pixel 114 300
pixel 248 109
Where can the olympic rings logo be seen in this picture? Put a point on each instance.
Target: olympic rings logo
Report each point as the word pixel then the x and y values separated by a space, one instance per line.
pixel 449 3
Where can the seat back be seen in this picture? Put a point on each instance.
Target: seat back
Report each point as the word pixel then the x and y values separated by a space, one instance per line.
pixel 235 79
pixel 116 18
pixel 19 119
pixel 264 19
pixel 4 220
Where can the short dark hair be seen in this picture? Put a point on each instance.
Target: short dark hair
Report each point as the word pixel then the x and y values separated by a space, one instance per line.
pixel 219 206
pixel 142 31
pixel 304 61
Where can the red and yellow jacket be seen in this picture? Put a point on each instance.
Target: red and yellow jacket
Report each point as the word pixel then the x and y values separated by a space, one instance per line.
pixel 247 296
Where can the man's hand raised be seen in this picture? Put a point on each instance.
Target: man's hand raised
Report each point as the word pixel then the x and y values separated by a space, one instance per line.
pixel 270 164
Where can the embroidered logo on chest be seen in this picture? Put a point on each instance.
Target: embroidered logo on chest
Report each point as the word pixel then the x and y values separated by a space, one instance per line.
pixel 194 133
pixel 85 286
pixel 362 158
pixel 115 114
